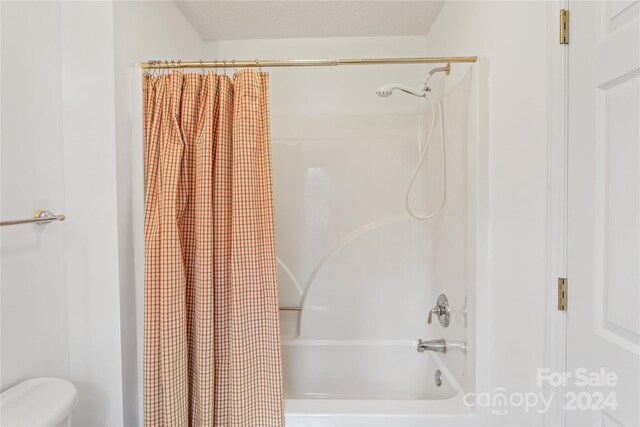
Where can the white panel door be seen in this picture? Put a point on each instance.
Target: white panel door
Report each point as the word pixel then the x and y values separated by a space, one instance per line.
pixel 603 323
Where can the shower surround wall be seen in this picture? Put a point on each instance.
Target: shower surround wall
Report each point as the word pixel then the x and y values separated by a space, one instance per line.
pixel 365 271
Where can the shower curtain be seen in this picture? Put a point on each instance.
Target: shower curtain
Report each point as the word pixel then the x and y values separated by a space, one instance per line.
pixel 211 335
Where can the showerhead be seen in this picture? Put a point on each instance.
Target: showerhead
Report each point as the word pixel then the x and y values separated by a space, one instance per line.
pixel 387 90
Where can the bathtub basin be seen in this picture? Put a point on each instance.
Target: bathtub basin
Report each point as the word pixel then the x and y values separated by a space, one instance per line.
pixel 368 383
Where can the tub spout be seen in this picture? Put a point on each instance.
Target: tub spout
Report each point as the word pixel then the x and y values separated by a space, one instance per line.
pixel 439 346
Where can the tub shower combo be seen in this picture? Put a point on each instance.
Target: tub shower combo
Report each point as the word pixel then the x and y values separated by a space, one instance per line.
pixel 361 276
pixel 375 256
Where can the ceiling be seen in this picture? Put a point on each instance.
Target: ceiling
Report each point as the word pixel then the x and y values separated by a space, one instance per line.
pixel 236 19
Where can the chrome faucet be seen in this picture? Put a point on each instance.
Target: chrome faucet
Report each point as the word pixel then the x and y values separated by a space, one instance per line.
pixel 439 346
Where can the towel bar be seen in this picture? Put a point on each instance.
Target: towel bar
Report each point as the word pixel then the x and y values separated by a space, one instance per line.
pixel 39 217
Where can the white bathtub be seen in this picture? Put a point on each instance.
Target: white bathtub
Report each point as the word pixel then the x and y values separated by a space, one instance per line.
pixel 368 383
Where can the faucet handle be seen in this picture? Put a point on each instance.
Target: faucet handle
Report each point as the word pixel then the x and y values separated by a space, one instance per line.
pixel 441 310
pixel 435 310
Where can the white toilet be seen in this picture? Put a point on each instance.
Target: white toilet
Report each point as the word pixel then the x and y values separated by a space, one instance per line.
pixel 38 402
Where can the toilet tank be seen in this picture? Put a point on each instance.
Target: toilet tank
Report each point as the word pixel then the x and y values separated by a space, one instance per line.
pixel 38 402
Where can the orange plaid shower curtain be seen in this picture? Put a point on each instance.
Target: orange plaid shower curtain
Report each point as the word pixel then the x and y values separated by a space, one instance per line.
pixel 211 333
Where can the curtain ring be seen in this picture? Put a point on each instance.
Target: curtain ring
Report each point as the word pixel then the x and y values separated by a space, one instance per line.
pixel 259 67
pixel 202 67
pixel 166 67
pixel 235 70
pixel 179 62
pixel 224 64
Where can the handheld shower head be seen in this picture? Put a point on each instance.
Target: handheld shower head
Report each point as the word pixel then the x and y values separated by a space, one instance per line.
pixel 436 104
pixel 387 90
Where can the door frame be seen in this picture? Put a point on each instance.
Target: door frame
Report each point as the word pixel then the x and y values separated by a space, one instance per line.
pixel 557 202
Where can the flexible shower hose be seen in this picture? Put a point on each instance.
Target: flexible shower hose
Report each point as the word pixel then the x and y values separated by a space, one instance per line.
pixel 436 105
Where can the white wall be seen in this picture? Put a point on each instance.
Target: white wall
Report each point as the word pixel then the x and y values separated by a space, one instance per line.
pixel 143 30
pixel 91 245
pixel 60 314
pixel 68 300
pixel 513 37
pixel 34 293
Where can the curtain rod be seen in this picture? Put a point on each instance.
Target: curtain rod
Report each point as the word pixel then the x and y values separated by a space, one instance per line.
pixel 259 63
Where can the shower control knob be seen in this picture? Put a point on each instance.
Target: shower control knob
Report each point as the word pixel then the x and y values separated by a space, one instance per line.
pixel 435 310
pixel 441 310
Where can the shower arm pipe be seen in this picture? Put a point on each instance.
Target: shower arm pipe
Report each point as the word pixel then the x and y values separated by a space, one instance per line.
pixel 265 63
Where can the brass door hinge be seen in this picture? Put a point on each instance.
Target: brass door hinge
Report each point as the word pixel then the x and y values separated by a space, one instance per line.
pixel 563 295
pixel 564 26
